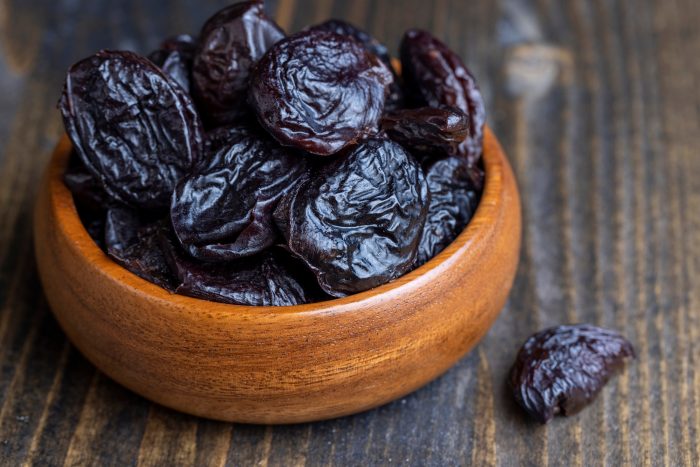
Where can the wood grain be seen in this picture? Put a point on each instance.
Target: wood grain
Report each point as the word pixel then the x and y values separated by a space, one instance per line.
pixel 605 147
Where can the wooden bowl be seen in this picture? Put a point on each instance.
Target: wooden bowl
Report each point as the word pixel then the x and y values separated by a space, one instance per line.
pixel 279 364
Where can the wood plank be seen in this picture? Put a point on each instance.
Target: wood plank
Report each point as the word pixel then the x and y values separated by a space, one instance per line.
pixel 595 101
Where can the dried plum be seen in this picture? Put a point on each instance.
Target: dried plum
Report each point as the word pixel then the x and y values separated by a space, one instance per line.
pixel 562 369
pixel 428 129
pixel 133 240
pixel 223 210
pixel 174 57
pixel 395 98
pixel 88 193
pixel 435 76
pixel 356 221
pixel 132 126
pixel 271 278
pixel 247 213
pixel 319 91
pixel 231 41
pixel 453 200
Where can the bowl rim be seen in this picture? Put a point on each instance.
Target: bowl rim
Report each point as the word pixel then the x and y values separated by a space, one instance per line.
pixel 479 228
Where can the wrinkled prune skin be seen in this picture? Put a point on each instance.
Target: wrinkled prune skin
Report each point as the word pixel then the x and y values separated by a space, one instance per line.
pixel 133 127
pixel 223 210
pixel 395 98
pixel 231 41
pixel 561 370
pixel 271 278
pixel 346 29
pixel 174 57
pixel 435 76
pixel 453 201
pixel 133 241
pixel 428 129
pixel 356 221
pixel 88 193
pixel 319 91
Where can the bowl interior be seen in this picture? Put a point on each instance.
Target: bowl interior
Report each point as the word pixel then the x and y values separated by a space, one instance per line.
pixel 477 230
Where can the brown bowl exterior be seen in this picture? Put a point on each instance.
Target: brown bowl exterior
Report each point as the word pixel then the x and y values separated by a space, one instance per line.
pixel 279 364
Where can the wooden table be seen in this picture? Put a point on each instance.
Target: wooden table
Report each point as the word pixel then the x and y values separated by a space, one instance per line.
pixel 596 103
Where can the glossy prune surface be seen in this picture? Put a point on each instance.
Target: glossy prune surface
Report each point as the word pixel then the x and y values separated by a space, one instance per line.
pixel 133 240
pixel 427 129
pixel 356 221
pixel 223 210
pixel 174 57
pixel 395 98
pixel 453 201
pixel 87 190
pixel 231 41
pixel 134 128
pixel 561 370
pixel 435 76
pixel 271 278
pixel 319 91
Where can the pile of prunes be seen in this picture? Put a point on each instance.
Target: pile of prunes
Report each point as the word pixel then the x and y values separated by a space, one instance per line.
pixel 247 166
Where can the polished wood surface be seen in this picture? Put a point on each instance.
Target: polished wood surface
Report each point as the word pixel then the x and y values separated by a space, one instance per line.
pixel 279 364
pixel 596 105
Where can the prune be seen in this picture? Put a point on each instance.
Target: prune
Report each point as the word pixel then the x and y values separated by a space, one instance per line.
pixel 435 76
pixel 231 41
pixel 134 242
pixel 562 369
pixel 88 193
pixel 453 200
pixel 223 210
pixel 132 126
pixel 219 137
pixel 319 91
pixel 428 129
pixel 356 221
pixel 271 278
pixel 395 98
pixel 174 57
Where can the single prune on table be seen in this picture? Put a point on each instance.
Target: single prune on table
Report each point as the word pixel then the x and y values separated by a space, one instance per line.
pixel 427 129
pixel 356 221
pixel 133 240
pixel 435 76
pixel 453 201
pixel 133 127
pixel 231 41
pixel 319 91
pixel 395 98
pixel 174 57
pixel 562 369
pixel 223 210
pixel 272 278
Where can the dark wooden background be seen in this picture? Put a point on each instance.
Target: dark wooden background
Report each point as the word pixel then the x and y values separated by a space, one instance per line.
pixel 597 104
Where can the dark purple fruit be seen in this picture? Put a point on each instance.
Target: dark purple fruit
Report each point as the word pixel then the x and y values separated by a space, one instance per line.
pixel 174 57
pixel 435 76
pixel 319 91
pixel 453 201
pixel 223 210
pixel 133 240
pixel 230 43
pixel 356 221
pixel 560 370
pixel 428 129
pixel 395 98
pixel 133 127
pixel 272 278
